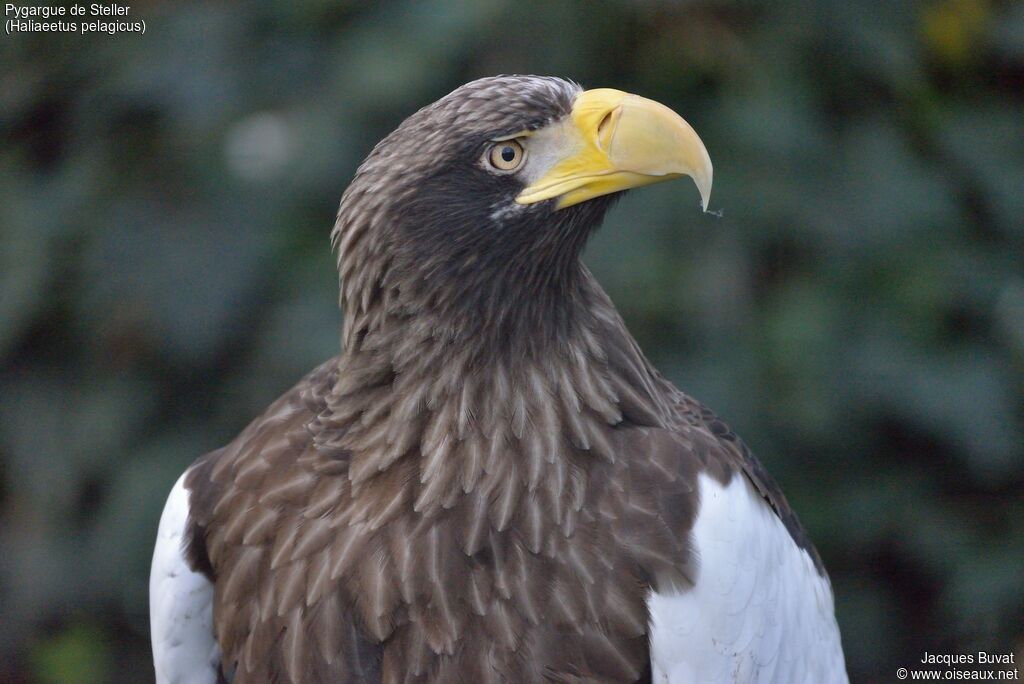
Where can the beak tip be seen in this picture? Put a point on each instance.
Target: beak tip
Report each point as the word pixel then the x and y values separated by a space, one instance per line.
pixel 704 186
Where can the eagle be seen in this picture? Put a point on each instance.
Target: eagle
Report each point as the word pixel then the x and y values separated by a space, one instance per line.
pixel 490 483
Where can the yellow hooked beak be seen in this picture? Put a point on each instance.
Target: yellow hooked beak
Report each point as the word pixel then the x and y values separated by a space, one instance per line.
pixel 618 141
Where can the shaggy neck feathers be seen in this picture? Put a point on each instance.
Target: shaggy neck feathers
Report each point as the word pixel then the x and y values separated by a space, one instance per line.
pixel 483 356
pixel 514 289
pixel 475 421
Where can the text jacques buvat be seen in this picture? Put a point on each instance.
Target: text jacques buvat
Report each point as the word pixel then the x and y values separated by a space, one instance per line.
pixel 77 18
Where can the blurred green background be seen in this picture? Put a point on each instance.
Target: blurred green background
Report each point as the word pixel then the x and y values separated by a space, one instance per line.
pixel 856 313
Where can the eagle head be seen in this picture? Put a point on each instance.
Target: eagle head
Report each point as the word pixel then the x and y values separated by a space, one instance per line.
pixel 476 208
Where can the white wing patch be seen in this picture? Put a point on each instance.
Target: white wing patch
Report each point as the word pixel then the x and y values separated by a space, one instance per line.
pixel 180 604
pixel 758 611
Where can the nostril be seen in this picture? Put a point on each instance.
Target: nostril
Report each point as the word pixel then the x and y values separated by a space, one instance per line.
pixel 605 129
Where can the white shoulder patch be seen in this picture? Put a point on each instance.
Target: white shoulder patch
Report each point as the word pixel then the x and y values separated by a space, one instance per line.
pixel 758 611
pixel 180 604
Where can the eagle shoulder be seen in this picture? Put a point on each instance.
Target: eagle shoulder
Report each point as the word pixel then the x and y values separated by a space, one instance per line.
pixel 756 604
pixel 180 602
pixel 252 522
pixel 758 610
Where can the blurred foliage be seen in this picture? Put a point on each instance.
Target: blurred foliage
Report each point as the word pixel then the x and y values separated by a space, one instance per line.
pixel 857 312
pixel 79 655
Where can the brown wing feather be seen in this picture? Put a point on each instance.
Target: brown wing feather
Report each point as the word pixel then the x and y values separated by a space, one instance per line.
pixel 262 522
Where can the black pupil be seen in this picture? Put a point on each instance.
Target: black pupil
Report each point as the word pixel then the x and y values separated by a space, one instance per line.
pixel 508 154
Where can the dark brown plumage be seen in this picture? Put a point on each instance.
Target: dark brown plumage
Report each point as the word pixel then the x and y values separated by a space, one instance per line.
pixel 490 478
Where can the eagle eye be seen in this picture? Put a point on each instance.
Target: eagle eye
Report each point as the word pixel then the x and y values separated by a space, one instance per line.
pixel 506 155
